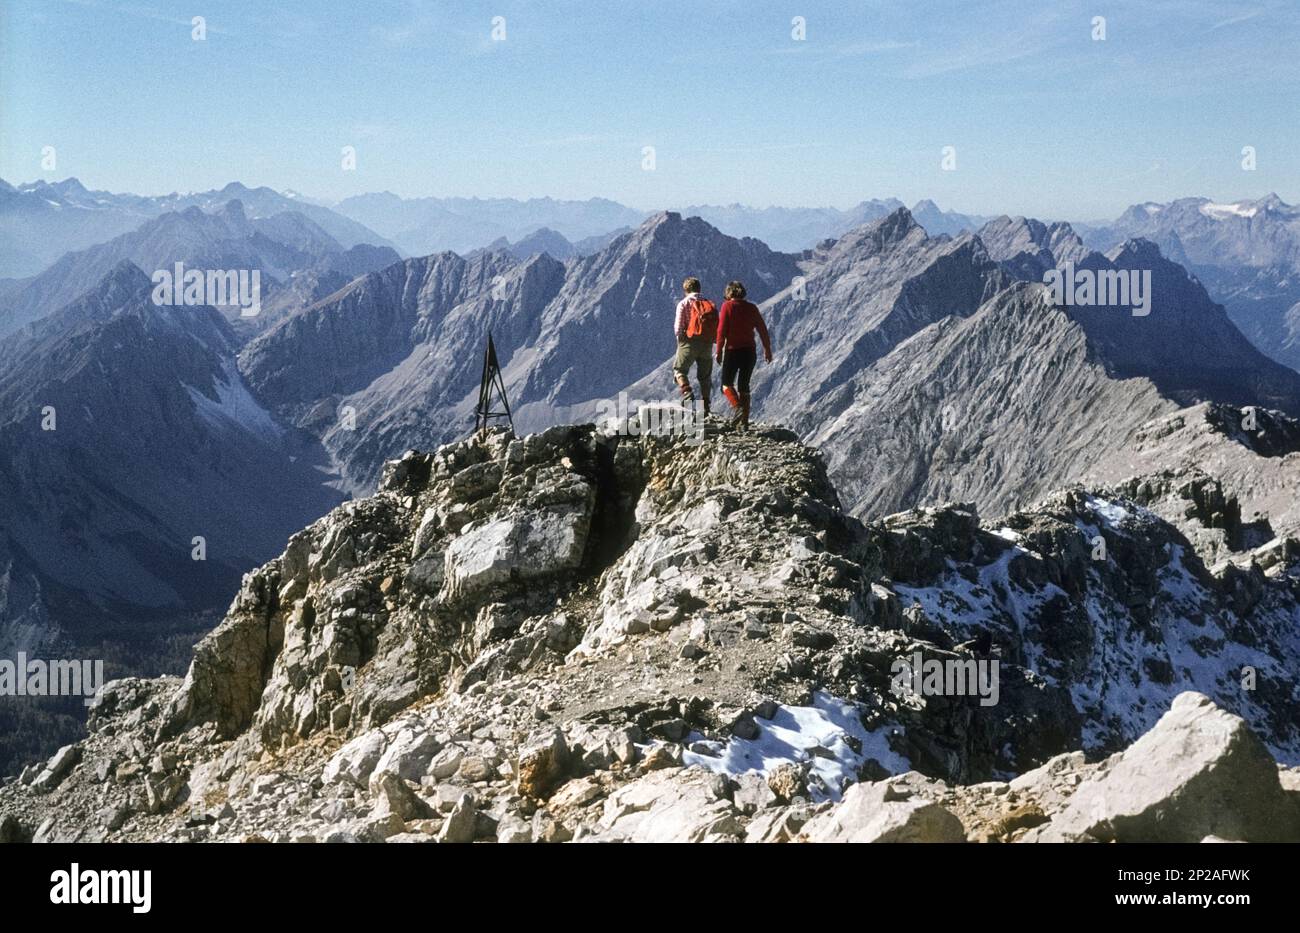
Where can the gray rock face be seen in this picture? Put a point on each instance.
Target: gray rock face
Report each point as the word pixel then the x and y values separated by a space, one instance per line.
pixel 948 370
pixel 897 280
pixel 669 806
pixel 1028 247
pixel 1257 466
pixel 952 409
pixel 357 760
pixel 57 768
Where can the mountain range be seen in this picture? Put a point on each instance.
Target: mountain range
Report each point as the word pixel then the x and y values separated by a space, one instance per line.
pixel 428 225
pixel 281 247
pixel 928 368
pixel 41 221
pixel 1246 252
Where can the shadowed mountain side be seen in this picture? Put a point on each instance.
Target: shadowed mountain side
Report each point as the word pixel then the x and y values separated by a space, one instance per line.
pixel 127 433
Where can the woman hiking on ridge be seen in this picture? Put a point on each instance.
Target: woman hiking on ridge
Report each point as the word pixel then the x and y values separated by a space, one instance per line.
pixel 736 351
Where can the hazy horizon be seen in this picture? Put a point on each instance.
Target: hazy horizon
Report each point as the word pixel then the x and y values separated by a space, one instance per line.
pixel 328 202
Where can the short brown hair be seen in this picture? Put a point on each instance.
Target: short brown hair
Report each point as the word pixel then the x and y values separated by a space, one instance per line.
pixel 691 284
pixel 735 290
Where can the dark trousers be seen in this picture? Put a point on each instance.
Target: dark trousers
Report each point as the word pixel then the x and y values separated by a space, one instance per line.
pixel 737 366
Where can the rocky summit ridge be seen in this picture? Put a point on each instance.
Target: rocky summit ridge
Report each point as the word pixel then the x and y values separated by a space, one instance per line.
pixel 590 634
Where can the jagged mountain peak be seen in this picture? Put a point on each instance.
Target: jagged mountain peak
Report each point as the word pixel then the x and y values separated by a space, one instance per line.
pixel 70 185
pixel 894 227
pixel 1136 252
pixel 126 276
pixel 1273 203
pixel 882 235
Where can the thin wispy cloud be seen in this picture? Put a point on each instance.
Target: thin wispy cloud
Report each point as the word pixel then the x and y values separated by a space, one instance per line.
pixel 149 13
pixel 993 46
pixel 1234 20
pixel 843 49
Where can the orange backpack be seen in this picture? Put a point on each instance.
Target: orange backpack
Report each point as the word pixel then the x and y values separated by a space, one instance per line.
pixel 702 319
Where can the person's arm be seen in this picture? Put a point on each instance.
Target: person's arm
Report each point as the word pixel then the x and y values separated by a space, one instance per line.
pixel 679 321
pixel 721 338
pixel 762 334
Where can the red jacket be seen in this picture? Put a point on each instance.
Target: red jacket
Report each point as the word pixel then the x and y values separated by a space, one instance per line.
pixel 736 325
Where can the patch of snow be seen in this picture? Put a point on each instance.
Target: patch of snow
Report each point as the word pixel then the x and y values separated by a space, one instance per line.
pixel 1111 512
pixel 992 602
pixel 235 406
pixel 819 734
pixel 1220 211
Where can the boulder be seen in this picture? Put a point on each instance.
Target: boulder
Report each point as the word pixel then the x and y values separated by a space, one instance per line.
pixel 1198 772
pixel 409 754
pixel 63 761
pixel 671 805
pixel 543 762
pixel 357 760
pixel 519 547
pixel 393 796
pixel 462 822
pixel 884 812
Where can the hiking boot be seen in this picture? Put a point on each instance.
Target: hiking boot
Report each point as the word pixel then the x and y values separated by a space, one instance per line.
pixel 744 411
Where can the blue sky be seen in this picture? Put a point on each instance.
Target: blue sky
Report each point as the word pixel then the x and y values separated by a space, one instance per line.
pixel 1044 119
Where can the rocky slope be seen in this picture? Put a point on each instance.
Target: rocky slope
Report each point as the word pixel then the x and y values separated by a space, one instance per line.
pixel 920 364
pixel 595 635
pixel 1252 453
pixel 952 380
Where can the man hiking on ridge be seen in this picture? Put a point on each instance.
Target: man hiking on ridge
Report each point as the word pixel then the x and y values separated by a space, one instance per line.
pixel 736 351
pixel 695 327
